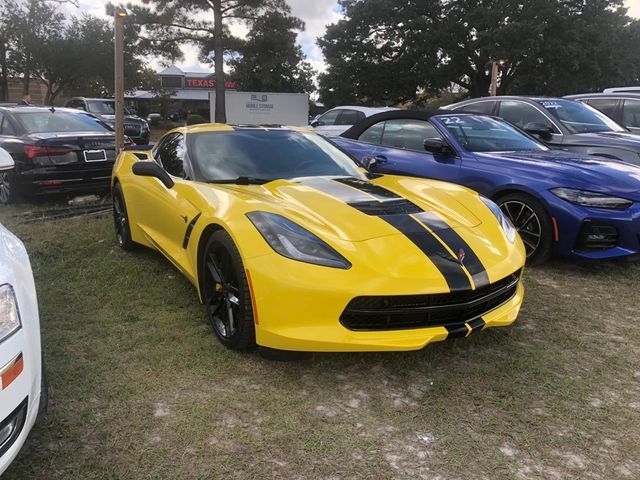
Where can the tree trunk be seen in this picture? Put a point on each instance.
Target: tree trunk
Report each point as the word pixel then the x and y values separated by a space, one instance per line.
pixel 218 57
pixel 4 82
pixel 25 82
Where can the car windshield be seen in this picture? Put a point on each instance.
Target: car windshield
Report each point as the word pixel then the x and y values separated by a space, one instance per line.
pixel 104 107
pixel 266 154
pixel 580 118
pixel 477 133
pixel 59 121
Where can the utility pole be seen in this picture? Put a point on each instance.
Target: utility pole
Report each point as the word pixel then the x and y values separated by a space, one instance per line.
pixel 495 65
pixel 119 15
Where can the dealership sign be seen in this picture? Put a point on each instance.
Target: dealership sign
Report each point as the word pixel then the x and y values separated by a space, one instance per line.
pixel 205 83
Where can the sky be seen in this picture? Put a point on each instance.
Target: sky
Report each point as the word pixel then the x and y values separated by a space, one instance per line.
pixel 317 14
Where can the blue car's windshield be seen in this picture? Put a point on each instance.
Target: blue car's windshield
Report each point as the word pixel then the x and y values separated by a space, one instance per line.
pixel 477 133
pixel 266 154
pixel 580 118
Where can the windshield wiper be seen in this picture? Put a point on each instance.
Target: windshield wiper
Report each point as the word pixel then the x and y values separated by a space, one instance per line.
pixel 242 181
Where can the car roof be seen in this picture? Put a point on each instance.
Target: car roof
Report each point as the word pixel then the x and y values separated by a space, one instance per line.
pixel 33 108
pixel 604 95
pixel 91 98
pixel 621 90
pixel 367 110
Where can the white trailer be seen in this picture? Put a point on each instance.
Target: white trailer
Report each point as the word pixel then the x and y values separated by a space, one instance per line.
pixel 264 108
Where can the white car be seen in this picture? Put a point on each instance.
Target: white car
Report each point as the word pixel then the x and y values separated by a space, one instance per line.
pixel 339 119
pixel 23 392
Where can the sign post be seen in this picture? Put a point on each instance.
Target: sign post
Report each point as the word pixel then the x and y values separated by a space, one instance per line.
pixel 119 14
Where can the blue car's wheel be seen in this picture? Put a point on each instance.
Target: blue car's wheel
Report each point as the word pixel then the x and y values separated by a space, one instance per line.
pixel 532 222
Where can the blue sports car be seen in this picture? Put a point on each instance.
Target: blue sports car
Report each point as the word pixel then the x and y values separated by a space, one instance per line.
pixel 562 203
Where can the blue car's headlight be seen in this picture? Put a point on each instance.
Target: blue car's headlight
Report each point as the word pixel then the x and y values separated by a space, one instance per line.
pixel 292 241
pixel 508 228
pixel 591 199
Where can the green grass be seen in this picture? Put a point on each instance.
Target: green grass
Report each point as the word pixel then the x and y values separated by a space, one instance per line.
pixel 140 388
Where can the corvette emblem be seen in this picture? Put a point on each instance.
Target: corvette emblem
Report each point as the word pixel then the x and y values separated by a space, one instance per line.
pixel 461 256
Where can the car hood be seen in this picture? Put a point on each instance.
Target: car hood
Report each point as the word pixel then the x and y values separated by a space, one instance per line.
pixel 571 169
pixel 352 209
pixel 13 258
pixel 625 140
pixel 112 118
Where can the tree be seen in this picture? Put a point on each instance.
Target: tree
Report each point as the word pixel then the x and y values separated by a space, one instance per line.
pixel 270 60
pixel 390 50
pixel 204 23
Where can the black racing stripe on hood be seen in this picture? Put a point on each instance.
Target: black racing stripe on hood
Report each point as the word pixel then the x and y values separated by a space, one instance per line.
pixel 456 243
pixel 376 191
pixel 450 269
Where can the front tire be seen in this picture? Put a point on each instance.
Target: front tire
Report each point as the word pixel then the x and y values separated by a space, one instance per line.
pixel 226 293
pixel 121 220
pixel 532 222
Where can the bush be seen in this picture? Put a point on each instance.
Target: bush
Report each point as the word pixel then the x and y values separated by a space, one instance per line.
pixel 196 119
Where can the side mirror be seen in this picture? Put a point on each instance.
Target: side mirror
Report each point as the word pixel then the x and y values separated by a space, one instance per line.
pixel 152 169
pixel 6 161
pixel 437 146
pixel 535 128
pixel 316 123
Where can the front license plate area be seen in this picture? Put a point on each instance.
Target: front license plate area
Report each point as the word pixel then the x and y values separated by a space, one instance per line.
pixel 95 155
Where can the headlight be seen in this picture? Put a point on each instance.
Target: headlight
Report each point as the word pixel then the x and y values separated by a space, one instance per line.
pixel 292 241
pixel 508 228
pixel 9 317
pixel 591 199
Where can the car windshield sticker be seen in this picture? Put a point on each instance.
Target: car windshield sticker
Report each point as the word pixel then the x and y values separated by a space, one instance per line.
pixel 550 104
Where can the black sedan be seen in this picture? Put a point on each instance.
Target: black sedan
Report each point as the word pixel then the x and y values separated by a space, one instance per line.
pixel 55 151
pixel 562 124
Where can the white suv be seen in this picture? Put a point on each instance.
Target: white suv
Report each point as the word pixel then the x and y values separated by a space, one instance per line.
pixel 23 391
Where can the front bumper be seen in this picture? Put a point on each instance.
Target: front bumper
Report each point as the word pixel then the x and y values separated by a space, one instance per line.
pixel 299 308
pixel 574 221
pixel 19 400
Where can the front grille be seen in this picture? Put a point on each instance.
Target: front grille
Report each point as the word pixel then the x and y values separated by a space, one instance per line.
pixel 388 207
pixel 132 129
pixel 593 236
pixel 421 311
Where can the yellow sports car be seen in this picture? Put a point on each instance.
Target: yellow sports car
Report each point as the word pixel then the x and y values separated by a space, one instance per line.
pixel 292 247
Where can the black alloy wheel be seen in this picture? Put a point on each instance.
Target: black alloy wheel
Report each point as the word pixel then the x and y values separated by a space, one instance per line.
pixel 226 293
pixel 121 220
pixel 532 223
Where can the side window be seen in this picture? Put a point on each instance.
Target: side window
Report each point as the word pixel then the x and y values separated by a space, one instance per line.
pixel 631 113
pixel 408 133
pixel 170 153
pixel 485 107
pixel 373 134
pixel 520 114
pixel 329 118
pixel 6 128
pixel 605 105
pixel 348 117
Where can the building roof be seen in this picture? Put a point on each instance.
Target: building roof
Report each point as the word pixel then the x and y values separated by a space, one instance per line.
pixel 172 70
pixel 178 95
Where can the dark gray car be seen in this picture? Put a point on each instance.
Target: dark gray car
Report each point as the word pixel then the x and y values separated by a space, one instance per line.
pixel 562 124
pixel 136 128
pixel 624 108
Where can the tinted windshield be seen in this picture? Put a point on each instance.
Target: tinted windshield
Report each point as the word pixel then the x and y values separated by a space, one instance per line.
pixel 267 155
pixel 580 118
pixel 59 121
pixel 104 107
pixel 486 134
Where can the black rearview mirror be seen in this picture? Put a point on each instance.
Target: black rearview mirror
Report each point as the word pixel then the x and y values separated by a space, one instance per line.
pixel 535 128
pixel 152 169
pixel 437 146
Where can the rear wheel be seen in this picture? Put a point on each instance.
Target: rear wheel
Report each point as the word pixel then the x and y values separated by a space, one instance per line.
pixel 8 193
pixel 226 293
pixel 121 220
pixel 532 222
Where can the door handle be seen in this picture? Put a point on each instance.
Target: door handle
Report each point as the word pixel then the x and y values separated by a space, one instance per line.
pixel 370 162
pixel 380 159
